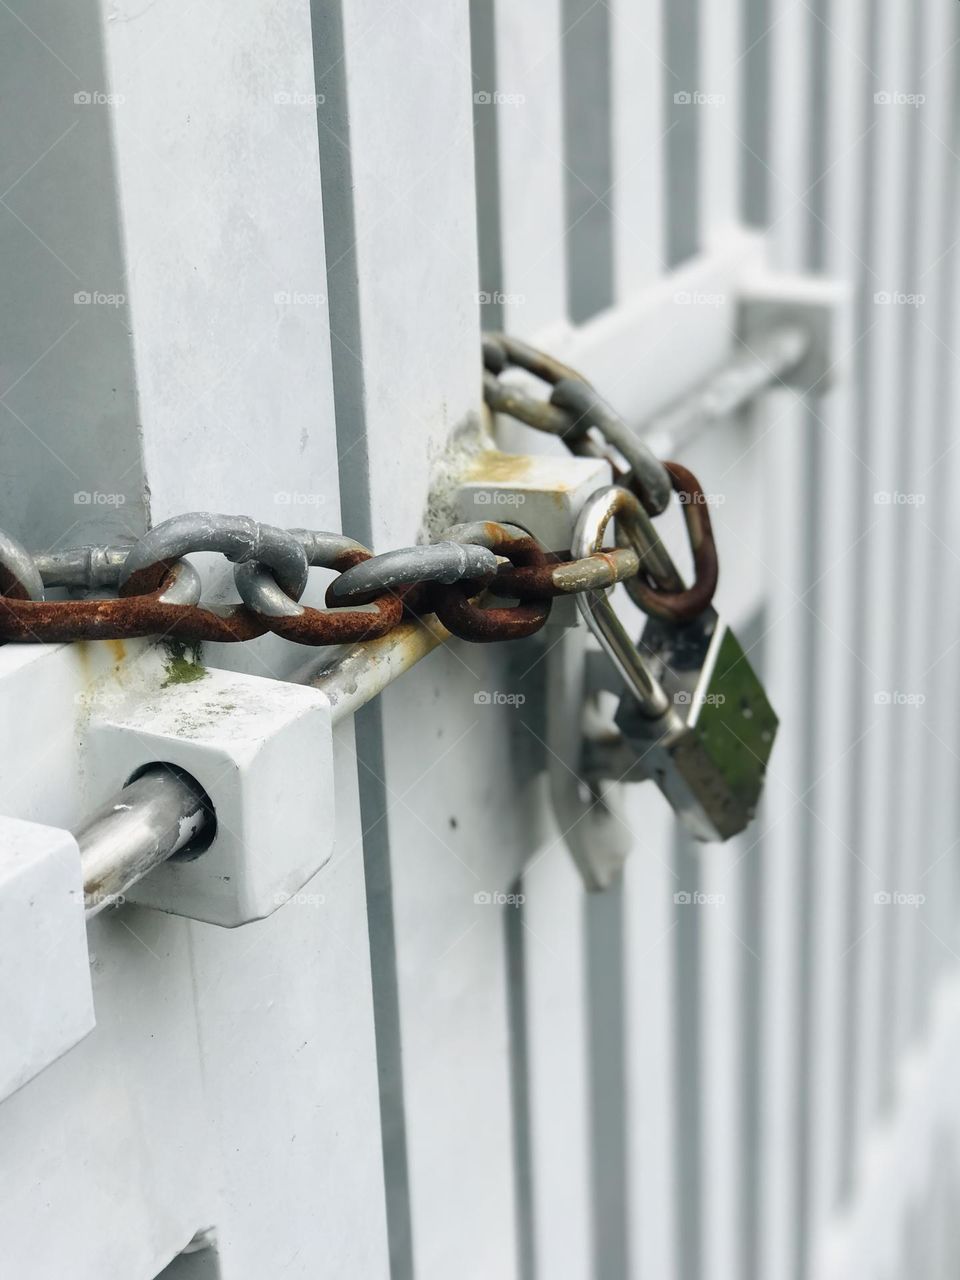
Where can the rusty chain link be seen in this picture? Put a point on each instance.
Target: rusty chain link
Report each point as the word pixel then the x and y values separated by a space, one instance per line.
pixel 159 592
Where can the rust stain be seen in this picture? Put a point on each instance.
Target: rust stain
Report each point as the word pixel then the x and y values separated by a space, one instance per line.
pixel 501 468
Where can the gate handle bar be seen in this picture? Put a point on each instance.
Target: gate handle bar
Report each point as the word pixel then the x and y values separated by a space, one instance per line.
pixel 164 811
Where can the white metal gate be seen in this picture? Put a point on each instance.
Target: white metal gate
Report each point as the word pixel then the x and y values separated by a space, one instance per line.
pixel 247 250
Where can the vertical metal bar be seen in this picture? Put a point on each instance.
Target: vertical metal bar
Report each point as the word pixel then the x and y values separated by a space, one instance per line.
pixel 858 879
pixel 485 84
pixel 921 837
pixel 587 156
pixel 837 246
pixel 939 878
pixel 908 829
pixel 785 428
pixel 399 189
pixel 605 977
pixel 520 1077
pixel 881 476
pixel 643 81
pixel 817 540
pixel 529 160
pixel 555 1211
pixel 687 1063
pixel 681 55
pixel 638 78
pixel 723 948
pixel 754 114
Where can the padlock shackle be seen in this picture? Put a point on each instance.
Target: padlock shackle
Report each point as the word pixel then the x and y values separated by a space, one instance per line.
pixel 596 514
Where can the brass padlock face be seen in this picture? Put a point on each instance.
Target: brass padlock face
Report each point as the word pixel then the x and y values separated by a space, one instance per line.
pixel 710 757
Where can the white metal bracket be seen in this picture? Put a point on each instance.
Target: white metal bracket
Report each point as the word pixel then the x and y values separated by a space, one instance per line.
pixel 769 301
pixel 46 999
pixel 263 752
pixel 542 493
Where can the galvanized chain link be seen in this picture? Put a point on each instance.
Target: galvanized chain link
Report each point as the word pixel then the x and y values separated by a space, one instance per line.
pixel 159 592
pixel 573 409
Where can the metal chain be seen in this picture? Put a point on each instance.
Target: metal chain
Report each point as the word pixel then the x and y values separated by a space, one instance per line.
pixel 158 591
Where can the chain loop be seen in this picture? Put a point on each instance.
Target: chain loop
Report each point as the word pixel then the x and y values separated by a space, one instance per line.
pixel 19 576
pixel 303 624
pixel 573 408
pixel 444 562
pixel 662 594
pixel 454 605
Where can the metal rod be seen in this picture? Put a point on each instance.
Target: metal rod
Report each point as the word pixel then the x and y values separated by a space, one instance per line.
pixel 149 820
pixel 365 669
pixel 757 368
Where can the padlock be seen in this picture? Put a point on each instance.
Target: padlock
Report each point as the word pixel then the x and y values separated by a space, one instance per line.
pixel 695 714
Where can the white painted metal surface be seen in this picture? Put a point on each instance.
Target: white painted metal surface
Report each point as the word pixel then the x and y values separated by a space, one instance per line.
pixel 247 251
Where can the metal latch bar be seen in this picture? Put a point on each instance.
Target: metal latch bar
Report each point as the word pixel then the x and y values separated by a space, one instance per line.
pixel 753 370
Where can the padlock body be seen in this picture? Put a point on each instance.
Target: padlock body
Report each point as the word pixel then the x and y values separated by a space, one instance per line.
pixel 708 754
